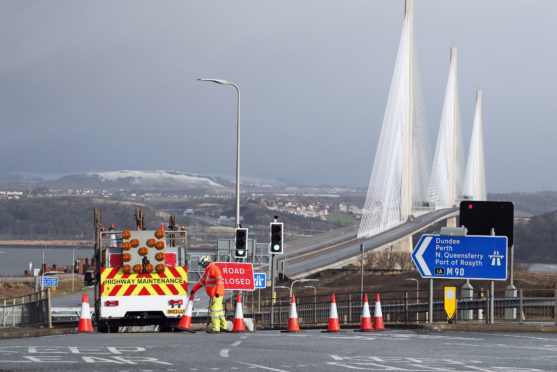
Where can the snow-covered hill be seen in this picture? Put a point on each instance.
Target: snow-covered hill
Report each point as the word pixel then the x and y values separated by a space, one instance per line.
pixel 138 180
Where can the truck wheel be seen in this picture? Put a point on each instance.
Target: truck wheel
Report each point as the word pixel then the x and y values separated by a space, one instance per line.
pixel 114 329
pixel 103 328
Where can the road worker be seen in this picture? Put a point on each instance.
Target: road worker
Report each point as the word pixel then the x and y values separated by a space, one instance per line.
pixel 214 286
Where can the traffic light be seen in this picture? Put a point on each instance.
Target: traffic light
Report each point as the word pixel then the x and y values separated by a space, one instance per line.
pixel 241 243
pixel 479 217
pixel 277 244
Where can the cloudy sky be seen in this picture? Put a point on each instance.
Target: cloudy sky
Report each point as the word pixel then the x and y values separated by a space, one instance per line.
pixel 107 85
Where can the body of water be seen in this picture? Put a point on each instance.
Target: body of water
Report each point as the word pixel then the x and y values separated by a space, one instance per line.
pixel 542 268
pixel 14 261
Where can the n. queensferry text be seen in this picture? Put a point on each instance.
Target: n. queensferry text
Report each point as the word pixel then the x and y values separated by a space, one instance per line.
pixel 444 254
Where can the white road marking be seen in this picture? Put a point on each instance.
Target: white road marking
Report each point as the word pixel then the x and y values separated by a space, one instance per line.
pixel 382 366
pixel 262 367
pixel 48 359
pixel 224 352
pixel 481 369
pixel 3 349
pixel 353 337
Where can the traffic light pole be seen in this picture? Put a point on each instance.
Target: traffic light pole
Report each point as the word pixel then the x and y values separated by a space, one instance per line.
pixel 272 289
pixel 273 275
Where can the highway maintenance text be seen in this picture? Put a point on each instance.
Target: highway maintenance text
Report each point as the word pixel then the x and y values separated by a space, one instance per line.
pixel 120 281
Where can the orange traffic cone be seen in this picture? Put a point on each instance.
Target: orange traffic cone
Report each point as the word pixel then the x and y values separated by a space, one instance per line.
pixel 293 325
pixel 378 316
pixel 85 324
pixel 185 321
pixel 333 317
pixel 366 318
pixel 239 325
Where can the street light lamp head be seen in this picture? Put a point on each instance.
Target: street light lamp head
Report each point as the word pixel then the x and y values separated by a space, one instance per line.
pixel 218 81
pixel 308 280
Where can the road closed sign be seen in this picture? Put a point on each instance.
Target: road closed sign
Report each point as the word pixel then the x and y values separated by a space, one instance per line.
pixel 237 276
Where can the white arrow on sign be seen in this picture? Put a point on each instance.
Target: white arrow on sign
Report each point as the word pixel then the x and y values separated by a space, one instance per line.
pixel 420 253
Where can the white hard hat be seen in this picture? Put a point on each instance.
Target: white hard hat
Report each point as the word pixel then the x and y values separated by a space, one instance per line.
pixel 204 261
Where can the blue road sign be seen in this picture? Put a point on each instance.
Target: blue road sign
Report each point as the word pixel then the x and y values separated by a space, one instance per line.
pixel 462 257
pixel 259 279
pixel 49 281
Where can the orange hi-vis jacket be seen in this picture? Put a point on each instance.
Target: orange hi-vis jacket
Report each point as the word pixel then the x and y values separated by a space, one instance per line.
pixel 212 280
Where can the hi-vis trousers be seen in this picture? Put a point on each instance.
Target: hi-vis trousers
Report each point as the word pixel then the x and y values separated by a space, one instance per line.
pixel 216 312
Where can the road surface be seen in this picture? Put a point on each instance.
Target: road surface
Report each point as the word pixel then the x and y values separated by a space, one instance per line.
pixel 396 350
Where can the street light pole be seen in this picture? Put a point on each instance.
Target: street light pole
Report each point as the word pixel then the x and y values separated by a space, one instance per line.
pixel 301 281
pixel 314 302
pixel 73 268
pixel 417 287
pixel 225 82
pixel 417 294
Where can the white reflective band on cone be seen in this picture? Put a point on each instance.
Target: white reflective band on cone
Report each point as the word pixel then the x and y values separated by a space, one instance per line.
pixel 239 311
pixel 189 308
pixel 365 312
pixel 293 312
pixel 378 312
pixel 85 311
pixel 333 314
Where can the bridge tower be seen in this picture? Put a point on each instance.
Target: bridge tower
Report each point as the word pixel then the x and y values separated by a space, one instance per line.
pixel 445 184
pixel 474 180
pixel 406 176
pixel 401 165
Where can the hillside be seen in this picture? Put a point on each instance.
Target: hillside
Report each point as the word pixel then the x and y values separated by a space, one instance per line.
pixel 41 216
pixel 536 239
pixel 530 203
pixel 63 217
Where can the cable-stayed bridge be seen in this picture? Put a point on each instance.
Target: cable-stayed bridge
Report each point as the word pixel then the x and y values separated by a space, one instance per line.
pixel 407 190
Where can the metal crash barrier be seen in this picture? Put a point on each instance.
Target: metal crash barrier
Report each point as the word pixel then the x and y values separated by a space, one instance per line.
pixel 33 309
pixel 532 305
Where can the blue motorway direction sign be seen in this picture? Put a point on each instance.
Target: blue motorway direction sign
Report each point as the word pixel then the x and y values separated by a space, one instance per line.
pixel 462 257
pixel 49 281
pixel 260 280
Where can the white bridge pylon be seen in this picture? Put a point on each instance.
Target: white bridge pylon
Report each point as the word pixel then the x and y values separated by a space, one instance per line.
pixel 402 183
pixel 445 183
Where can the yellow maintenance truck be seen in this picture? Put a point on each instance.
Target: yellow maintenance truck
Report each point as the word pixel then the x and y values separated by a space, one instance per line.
pixel 140 276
